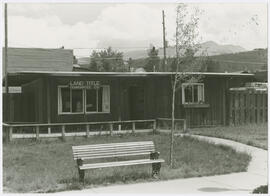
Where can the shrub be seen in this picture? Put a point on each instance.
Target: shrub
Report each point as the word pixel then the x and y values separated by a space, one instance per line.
pixel 261 189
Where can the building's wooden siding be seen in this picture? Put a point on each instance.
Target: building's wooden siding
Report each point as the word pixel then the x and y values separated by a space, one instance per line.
pixel 248 106
pixel 216 95
pixel 34 108
pixel 157 100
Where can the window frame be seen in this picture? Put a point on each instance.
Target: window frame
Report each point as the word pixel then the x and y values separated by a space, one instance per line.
pixel 60 112
pixel 184 85
pixel 84 111
pixel 96 112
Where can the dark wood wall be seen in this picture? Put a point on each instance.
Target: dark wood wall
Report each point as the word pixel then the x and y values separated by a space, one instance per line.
pixel 216 110
pixel 156 104
pixel 34 109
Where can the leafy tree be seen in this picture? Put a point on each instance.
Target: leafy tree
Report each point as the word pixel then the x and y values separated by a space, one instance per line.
pixel 187 45
pixel 93 65
pixel 107 60
pixel 153 60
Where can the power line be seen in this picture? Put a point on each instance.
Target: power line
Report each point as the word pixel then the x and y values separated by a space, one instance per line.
pixel 89 48
pixel 118 47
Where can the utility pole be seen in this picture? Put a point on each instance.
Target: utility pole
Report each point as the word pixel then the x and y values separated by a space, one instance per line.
pixel 6 46
pixel 7 101
pixel 164 42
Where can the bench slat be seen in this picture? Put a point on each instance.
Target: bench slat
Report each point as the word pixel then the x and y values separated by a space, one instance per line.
pixel 112 150
pixel 113 144
pixel 120 163
pixel 115 147
pixel 78 153
pixel 111 155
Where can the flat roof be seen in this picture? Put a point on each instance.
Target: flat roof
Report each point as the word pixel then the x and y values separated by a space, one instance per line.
pixel 22 77
pixel 51 73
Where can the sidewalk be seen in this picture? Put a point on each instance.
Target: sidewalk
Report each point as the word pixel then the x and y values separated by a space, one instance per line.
pixel 235 183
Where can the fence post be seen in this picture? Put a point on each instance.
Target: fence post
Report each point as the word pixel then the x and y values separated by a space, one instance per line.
pixel 154 126
pixel 111 129
pixel 87 130
pixel 63 132
pixel 133 127
pixel 37 132
pixel 157 125
pixel 185 126
pixel 119 127
pixel 49 130
pixel 230 108
pixel 10 131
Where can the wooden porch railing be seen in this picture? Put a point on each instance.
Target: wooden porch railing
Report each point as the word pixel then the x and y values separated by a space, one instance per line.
pixel 183 121
pixel 8 128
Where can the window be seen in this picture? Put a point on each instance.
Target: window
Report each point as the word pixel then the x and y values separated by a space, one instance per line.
pixel 72 101
pixel 98 100
pixel 192 93
pixel 77 100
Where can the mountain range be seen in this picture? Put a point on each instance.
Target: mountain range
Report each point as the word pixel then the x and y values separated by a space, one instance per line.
pixel 210 47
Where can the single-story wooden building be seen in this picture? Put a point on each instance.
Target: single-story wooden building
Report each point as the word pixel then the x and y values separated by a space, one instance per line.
pixel 54 97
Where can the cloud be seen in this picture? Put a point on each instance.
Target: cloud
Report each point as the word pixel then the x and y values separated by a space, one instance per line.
pixel 68 13
pixel 137 24
pixel 130 25
pixel 233 24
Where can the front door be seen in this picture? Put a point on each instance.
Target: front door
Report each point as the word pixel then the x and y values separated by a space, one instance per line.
pixel 136 101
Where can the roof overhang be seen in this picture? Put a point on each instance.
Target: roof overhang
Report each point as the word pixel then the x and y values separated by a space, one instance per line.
pixel 22 77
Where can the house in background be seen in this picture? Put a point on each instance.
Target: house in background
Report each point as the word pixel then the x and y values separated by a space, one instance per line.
pixel 38 59
pixel 31 59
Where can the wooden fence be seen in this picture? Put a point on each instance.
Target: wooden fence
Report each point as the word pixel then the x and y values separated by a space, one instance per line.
pixel 247 106
pixel 86 129
pixel 166 123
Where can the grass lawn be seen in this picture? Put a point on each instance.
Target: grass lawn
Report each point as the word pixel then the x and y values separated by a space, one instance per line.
pixel 254 135
pixel 47 166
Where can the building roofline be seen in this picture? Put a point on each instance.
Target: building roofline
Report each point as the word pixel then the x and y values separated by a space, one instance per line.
pixel 33 48
pixel 77 73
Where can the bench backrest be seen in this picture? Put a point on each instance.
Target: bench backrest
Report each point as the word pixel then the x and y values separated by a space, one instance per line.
pixel 113 150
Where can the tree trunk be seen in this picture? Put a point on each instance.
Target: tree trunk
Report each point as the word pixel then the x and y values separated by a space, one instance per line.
pixel 172 127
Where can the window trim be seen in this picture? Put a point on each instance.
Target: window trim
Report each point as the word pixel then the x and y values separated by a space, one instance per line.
pixel 70 94
pixel 184 85
pixel 97 112
pixel 83 99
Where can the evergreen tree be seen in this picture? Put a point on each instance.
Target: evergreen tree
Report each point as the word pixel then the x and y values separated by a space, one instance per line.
pixel 153 60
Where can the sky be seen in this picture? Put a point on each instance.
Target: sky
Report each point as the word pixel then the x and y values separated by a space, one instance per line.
pixel 128 26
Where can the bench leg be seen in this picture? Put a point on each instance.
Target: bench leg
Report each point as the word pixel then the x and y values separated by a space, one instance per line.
pixel 156 169
pixel 81 175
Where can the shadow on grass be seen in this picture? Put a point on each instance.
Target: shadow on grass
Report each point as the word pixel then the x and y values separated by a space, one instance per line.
pixel 92 179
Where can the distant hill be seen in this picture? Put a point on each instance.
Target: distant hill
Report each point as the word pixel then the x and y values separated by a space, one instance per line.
pixel 243 61
pixel 213 48
pixel 223 58
pixel 210 47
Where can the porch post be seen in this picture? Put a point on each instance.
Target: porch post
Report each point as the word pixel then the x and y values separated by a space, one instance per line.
pixel 119 101
pixel 225 102
pixel 48 105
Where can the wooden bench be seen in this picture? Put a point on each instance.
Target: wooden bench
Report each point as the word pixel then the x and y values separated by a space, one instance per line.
pixel 136 153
